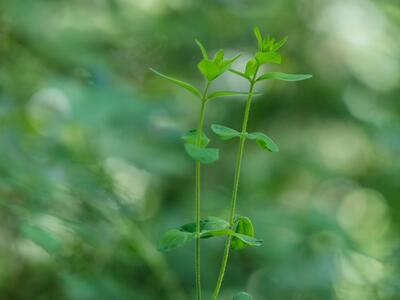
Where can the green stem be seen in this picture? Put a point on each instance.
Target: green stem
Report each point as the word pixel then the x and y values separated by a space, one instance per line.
pixel 198 195
pixel 235 188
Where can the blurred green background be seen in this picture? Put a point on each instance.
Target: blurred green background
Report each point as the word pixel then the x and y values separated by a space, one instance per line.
pixel 92 168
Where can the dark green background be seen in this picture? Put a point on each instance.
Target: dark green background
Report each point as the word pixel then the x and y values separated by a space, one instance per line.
pixel 92 168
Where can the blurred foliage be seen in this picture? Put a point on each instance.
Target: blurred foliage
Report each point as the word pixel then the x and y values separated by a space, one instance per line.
pixel 92 167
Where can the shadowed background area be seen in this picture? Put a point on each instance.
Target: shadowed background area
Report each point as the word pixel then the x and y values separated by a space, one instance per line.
pixel 93 170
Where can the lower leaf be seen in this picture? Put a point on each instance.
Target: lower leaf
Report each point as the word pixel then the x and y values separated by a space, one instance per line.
pixel 242 296
pixel 203 155
pixel 175 238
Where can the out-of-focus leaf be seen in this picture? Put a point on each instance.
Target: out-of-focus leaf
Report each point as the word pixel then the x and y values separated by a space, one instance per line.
pixel 259 38
pixel 242 296
pixel 244 226
pixel 219 94
pixel 268 57
pixel 180 83
pixel 284 76
pixel 202 49
pixel 279 44
pixel 223 132
pixel 41 237
pixel 203 155
pixel 175 238
pixel 263 141
pixel 190 137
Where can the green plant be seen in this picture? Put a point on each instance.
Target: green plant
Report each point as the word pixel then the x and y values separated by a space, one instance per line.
pixel 238 230
pixel 196 147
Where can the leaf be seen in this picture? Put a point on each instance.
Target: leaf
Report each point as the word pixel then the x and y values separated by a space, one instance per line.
pixel 209 69
pixel 206 224
pixel 251 67
pixel 223 132
pixel 175 238
pixel 284 76
pixel 203 155
pixel 183 84
pixel 257 33
pixel 190 137
pixel 263 141
pixel 219 94
pixel 268 57
pixel 41 237
pixel 279 44
pixel 219 56
pixel 242 296
pixel 244 226
pixel 248 240
pixel 202 49
pixel 239 73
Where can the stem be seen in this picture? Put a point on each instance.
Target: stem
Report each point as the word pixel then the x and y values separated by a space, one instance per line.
pixel 235 188
pixel 198 195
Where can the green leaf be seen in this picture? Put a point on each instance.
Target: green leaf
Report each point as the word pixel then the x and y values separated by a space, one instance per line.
pixel 257 33
pixel 268 57
pixel 248 240
pixel 263 141
pixel 284 76
pixel 202 49
pixel 209 69
pixel 203 155
pixel 190 137
pixel 228 94
pixel 276 46
pixel 206 224
pixel 242 296
pixel 244 226
pixel 219 56
pixel 183 84
pixel 41 237
pixel 223 132
pixel 251 67
pixel 175 238
pixel 239 73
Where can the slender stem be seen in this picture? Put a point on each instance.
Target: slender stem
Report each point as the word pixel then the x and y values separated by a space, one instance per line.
pixel 235 188
pixel 198 195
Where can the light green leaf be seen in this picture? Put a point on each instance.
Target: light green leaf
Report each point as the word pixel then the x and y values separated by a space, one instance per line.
pixel 219 94
pixel 257 33
pixel 268 57
pixel 240 74
pixel 263 141
pixel 276 46
pixel 190 137
pixel 203 155
pixel 242 296
pixel 219 56
pixel 209 69
pixel 202 49
pixel 244 226
pixel 206 224
pixel 251 67
pixel 284 76
pixel 175 238
pixel 224 133
pixel 183 84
